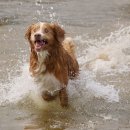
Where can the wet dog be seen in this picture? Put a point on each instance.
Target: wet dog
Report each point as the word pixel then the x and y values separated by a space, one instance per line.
pixel 52 60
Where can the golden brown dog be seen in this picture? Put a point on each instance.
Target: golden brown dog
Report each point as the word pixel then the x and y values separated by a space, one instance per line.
pixel 52 60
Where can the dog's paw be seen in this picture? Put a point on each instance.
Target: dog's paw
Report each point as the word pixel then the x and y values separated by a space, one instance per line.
pixel 47 96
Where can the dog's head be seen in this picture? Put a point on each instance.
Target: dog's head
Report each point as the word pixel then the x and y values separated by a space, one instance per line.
pixel 43 36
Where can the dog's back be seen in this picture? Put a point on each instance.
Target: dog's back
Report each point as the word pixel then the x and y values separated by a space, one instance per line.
pixel 73 66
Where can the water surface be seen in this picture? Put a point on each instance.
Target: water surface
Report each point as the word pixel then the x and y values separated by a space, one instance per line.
pixel 99 98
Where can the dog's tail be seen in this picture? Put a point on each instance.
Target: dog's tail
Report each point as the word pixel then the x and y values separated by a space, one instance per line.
pixel 69 46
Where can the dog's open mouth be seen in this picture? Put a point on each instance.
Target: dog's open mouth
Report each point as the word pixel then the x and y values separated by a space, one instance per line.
pixel 39 44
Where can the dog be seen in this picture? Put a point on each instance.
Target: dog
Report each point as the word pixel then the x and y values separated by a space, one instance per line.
pixel 52 60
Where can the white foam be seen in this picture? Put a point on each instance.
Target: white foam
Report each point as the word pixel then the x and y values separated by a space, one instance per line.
pixel 23 87
pixel 20 86
pixel 86 87
pixel 108 92
pixel 107 54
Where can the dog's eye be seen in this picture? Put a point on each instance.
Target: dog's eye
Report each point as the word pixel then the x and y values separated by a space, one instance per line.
pixel 46 30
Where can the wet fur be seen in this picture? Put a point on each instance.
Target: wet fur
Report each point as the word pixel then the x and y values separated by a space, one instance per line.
pixel 60 61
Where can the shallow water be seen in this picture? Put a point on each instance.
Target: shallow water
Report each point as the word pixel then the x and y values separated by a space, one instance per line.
pixel 99 98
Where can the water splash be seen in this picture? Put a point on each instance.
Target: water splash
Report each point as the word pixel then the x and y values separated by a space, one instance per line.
pixel 110 54
pixel 18 88
pixel 86 87
pixel 49 12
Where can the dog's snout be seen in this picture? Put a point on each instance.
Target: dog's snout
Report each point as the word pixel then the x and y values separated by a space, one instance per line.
pixel 37 36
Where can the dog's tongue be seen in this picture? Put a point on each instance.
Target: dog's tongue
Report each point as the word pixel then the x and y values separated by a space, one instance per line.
pixel 39 45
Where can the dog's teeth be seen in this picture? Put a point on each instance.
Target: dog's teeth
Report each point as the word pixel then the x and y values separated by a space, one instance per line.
pixel 44 41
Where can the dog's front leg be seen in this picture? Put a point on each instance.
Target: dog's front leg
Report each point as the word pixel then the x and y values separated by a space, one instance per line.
pixel 63 97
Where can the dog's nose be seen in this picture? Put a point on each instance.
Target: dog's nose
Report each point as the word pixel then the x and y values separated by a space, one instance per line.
pixel 37 36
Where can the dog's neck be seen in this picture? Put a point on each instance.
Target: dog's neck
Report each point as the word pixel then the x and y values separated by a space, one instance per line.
pixel 42 56
pixel 46 61
pixel 41 59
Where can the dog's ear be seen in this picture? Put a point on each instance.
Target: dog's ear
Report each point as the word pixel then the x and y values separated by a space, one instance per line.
pixel 59 32
pixel 28 35
pixel 28 32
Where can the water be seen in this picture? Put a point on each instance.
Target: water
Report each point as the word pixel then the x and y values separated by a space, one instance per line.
pixel 99 98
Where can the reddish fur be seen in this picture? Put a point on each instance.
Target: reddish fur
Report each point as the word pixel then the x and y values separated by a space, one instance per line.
pixel 61 60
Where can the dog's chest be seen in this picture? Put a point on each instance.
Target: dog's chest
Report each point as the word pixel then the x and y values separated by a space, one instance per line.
pixel 41 58
pixel 47 82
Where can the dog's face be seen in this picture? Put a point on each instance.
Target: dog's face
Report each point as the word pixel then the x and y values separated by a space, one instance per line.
pixel 44 35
